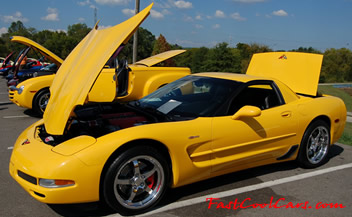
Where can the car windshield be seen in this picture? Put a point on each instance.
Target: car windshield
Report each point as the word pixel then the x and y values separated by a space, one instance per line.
pixel 190 96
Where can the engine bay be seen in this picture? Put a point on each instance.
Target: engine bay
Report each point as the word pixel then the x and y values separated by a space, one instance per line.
pixel 97 120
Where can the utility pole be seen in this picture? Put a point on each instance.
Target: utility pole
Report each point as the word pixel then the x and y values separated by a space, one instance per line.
pixel 95 15
pixel 135 36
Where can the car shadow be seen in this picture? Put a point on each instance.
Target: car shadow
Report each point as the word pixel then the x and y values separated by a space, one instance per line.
pixel 192 190
pixel 3 105
pixel 82 209
pixel 31 113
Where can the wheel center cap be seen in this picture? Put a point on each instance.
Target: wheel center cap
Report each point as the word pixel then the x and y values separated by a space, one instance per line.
pixel 137 180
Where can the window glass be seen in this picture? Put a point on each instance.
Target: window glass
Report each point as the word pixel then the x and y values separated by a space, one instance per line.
pixel 191 96
pixel 262 96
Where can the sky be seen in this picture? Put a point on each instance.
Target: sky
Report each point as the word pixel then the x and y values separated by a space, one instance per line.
pixel 279 24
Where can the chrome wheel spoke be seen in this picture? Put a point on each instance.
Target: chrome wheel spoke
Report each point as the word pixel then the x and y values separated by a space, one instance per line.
pixel 136 167
pixel 132 195
pixel 148 190
pixel 123 181
pixel 149 173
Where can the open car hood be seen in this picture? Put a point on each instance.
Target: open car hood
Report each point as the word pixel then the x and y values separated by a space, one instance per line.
pixel 7 60
pixel 81 68
pixel 47 53
pixel 153 60
pixel 299 71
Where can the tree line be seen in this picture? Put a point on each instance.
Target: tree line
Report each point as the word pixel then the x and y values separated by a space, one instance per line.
pixel 337 63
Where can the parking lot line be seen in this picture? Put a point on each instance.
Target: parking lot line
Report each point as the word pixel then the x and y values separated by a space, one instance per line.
pixel 16 116
pixel 236 191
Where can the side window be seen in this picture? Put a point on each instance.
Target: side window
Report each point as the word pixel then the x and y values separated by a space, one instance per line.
pixel 262 96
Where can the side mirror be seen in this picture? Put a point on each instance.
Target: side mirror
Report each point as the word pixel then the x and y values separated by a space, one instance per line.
pixel 247 111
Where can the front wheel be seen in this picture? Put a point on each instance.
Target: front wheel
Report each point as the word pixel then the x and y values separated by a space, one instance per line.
pixel 136 180
pixel 315 145
pixel 41 101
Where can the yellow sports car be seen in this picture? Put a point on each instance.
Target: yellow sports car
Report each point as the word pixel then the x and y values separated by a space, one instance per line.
pixel 34 93
pixel 200 126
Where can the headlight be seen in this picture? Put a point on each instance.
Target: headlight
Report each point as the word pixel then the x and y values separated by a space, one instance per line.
pixel 52 183
pixel 20 90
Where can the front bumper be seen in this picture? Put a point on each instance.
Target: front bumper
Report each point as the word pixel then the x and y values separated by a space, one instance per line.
pixel 34 160
pixel 24 99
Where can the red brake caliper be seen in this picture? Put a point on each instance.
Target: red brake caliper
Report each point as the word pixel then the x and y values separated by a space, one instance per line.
pixel 150 181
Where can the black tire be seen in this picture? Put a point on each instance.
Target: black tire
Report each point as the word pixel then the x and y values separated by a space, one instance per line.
pixel 40 101
pixel 136 180
pixel 315 145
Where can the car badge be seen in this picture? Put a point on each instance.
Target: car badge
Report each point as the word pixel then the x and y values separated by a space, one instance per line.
pixel 49 139
pixel 283 57
pixel 26 142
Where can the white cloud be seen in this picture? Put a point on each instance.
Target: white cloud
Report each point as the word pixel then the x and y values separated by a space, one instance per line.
pixel 166 12
pixel 237 17
pixel 199 17
pixel 216 26
pixel 198 26
pixel 84 3
pixel 280 13
pixel 183 4
pixel 156 14
pixel 53 15
pixel 249 1
pixel 104 27
pixel 219 14
pixel 58 30
pixel 112 2
pixel 187 18
pixel 13 18
pixel 128 12
pixel 81 19
pixel 153 13
pixel 3 30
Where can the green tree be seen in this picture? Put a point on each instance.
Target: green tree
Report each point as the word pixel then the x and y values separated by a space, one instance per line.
pixel 160 46
pixel 247 51
pixel 145 46
pixel 220 59
pixel 337 65
pixel 307 50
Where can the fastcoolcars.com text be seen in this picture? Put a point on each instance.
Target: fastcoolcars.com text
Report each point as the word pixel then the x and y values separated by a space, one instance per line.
pixel 215 203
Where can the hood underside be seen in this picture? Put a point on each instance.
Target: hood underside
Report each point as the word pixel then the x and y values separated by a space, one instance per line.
pixel 153 60
pixel 81 68
pixel 47 53
pixel 299 71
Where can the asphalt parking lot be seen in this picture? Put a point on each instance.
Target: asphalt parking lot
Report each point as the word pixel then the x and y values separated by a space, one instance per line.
pixel 287 189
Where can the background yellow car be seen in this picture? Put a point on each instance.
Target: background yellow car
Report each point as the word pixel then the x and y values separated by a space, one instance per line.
pixel 200 126
pixel 34 93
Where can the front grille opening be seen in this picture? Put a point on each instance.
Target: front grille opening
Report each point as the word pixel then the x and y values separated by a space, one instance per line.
pixel 27 177
pixel 39 194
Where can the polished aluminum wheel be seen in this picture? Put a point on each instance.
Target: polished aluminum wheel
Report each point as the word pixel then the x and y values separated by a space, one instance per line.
pixel 43 101
pixel 139 182
pixel 317 146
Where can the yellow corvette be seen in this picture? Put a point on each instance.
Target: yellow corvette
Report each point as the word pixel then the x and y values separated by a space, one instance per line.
pixel 200 126
pixel 34 93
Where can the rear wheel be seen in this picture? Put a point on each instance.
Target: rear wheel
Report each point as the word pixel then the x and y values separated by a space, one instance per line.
pixel 136 180
pixel 315 145
pixel 41 101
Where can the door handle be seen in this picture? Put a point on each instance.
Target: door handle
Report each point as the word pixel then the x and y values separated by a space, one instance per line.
pixel 286 114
